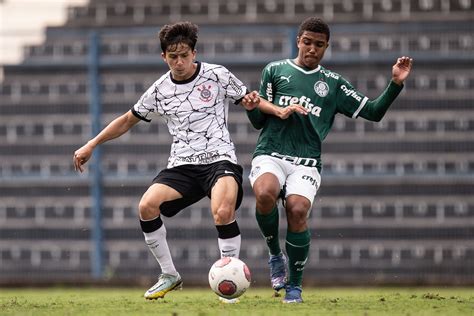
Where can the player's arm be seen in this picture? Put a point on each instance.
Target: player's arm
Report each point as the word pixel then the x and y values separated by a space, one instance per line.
pixel 116 128
pixel 282 113
pixel 258 115
pixel 374 110
pixel 250 102
pixel 256 118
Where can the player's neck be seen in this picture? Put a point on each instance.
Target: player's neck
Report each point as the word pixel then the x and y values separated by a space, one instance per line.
pixel 297 62
pixel 190 75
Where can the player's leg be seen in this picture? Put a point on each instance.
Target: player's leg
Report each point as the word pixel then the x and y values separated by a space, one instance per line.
pixel 298 240
pixel 226 196
pixel 302 185
pixel 155 237
pixel 267 178
pixel 166 196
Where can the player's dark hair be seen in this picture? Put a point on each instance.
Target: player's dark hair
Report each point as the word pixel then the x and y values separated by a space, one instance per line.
pixel 315 25
pixel 171 35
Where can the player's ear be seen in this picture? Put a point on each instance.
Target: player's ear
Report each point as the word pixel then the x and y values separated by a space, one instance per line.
pixel 163 55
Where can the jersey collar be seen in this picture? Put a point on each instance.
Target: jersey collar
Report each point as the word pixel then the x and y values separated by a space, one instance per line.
pixel 292 63
pixel 196 73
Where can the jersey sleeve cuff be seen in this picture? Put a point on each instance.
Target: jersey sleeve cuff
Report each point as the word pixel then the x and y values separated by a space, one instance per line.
pixel 136 114
pixel 240 99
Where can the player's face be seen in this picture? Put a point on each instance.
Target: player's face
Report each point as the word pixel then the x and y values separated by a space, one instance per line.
pixel 311 48
pixel 180 60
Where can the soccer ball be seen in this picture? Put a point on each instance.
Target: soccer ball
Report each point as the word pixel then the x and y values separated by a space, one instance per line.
pixel 229 277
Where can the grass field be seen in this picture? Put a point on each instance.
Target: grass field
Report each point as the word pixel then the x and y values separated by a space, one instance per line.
pixel 323 301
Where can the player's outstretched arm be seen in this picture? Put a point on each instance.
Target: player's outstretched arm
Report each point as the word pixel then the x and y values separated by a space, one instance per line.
pixel 117 127
pixel 283 113
pixel 401 69
pixel 374 110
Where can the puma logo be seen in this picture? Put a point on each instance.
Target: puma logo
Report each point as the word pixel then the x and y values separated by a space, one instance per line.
pixel 286 78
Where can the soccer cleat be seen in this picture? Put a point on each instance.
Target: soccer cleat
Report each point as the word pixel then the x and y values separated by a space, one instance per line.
pixel 166 283
pixel 278 271
pixel 293 294
pixel 229 300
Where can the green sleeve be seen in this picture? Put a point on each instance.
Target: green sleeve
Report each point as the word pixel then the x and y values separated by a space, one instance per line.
pixel 257 118
pixel 374 110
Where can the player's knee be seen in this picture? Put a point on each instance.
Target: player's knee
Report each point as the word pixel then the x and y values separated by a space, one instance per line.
pixel 147 210
pixel 297 221
pixel 223 215
pixel 297 214
pixel 265 200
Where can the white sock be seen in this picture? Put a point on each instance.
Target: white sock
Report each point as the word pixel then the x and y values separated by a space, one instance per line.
pixel 230 247
pixel 156 242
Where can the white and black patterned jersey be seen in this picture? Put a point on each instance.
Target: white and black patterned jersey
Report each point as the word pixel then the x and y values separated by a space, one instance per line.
pixel 196 113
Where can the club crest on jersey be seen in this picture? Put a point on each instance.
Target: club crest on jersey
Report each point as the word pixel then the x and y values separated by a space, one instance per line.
pixel 321 88
pixel 255 171
pixel 206 94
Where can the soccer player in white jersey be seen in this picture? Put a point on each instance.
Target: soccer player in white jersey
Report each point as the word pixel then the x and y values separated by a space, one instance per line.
pixel 305 97
pixel 192 99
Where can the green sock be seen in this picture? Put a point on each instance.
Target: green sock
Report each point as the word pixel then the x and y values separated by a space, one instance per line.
pixel 269 227
pixel 297 249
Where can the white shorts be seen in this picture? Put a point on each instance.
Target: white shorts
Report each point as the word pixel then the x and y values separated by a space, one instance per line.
pixel 299 179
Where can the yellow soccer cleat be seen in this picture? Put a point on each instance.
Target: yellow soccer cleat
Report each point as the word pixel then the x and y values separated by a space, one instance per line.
pixel 166 283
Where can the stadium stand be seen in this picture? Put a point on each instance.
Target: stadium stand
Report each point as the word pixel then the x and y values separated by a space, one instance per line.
pixel 396 203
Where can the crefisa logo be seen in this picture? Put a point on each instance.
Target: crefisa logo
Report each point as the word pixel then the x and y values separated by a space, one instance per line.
pixel 321 88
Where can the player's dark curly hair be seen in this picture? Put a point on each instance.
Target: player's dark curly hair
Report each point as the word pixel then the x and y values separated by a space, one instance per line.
pixel 178 33
pixel 314 24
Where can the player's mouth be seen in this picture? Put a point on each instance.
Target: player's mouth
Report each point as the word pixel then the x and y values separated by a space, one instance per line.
pixel 311 60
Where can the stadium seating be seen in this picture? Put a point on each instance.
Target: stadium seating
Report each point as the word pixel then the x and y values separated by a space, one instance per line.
pixel 71 47
pixel 123 13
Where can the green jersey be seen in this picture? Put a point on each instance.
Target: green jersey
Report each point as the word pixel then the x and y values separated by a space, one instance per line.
pixel 323 92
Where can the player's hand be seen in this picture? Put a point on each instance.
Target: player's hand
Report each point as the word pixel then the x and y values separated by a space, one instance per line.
pixel 401 69
pixel 81 156
pixel 251 100
pixel 285 112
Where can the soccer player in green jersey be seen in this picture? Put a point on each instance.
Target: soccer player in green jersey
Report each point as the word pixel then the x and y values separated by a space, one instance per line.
pixel 299 100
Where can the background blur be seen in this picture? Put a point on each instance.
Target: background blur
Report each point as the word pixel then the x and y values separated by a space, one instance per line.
pixel 396 204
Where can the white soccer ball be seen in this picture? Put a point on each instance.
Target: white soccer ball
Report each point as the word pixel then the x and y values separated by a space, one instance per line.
pixel 229 277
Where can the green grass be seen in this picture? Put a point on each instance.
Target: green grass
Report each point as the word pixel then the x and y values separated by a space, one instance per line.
pixel 321 301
